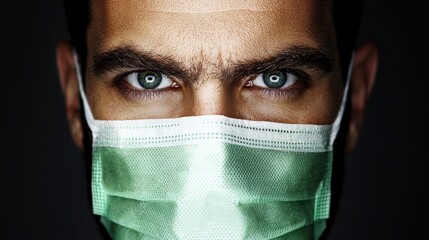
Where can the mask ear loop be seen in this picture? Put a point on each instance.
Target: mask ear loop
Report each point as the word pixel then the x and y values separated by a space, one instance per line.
pixel 337 122
pixel 87 110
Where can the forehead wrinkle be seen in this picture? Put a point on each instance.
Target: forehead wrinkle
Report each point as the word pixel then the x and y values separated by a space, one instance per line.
pixel 209 6
pixel 208 12
pixel 209 29
pixel 205 36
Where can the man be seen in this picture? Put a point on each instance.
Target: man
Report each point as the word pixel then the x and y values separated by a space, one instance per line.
pixel 267 78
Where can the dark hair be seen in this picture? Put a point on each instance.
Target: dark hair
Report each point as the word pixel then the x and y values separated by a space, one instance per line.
pixel 347 19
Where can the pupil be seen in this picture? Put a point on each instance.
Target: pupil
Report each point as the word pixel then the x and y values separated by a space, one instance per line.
pixel 275 79
pixel 149 80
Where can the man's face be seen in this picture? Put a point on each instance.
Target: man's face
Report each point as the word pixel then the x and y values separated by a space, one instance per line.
pixel 259 60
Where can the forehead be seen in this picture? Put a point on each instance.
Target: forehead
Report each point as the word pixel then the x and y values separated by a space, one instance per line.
pixel 205 6
pixel 220 29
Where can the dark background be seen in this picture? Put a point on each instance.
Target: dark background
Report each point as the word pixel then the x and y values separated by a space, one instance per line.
pixel 43 186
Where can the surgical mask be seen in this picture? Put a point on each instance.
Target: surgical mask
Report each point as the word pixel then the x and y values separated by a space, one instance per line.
pixel 211 177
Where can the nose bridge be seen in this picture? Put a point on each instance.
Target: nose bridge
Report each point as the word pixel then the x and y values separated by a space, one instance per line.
pixel 210 94
pixel 211 97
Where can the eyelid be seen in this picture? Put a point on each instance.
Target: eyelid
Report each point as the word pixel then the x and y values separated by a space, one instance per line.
pixel 292 78
pixel 131 79
pixel 140 94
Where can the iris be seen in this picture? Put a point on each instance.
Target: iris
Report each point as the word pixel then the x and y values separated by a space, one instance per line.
pixel 275 79
pixel 149 79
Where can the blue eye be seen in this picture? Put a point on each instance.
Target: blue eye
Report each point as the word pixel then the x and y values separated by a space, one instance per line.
pixel 148 80
pixel 275 79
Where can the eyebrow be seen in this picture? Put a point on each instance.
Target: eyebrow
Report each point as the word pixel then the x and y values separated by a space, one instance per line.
pixel 127 57
pixel 291 58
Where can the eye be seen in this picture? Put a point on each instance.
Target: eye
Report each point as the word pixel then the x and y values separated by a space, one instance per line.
pixel 149 80
pixel 275 79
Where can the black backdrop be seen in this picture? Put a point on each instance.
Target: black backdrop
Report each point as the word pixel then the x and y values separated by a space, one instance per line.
pixel 43 186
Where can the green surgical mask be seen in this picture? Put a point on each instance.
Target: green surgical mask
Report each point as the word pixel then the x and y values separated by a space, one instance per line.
pixel 211 177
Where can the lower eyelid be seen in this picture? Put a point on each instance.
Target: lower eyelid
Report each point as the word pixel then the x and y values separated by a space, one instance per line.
pixel 130 93
pixel 280 95
pixel 138 95
pixel 145 95
pixel 273 94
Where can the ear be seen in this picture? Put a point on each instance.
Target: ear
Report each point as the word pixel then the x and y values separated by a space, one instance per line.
pixel 69 85
pixel 362 79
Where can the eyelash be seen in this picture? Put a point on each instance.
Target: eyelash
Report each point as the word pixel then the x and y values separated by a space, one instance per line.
pixel 129 92
pixel 304 80
pixel 279 94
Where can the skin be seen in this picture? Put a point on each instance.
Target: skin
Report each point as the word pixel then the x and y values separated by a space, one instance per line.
pixel 212 43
